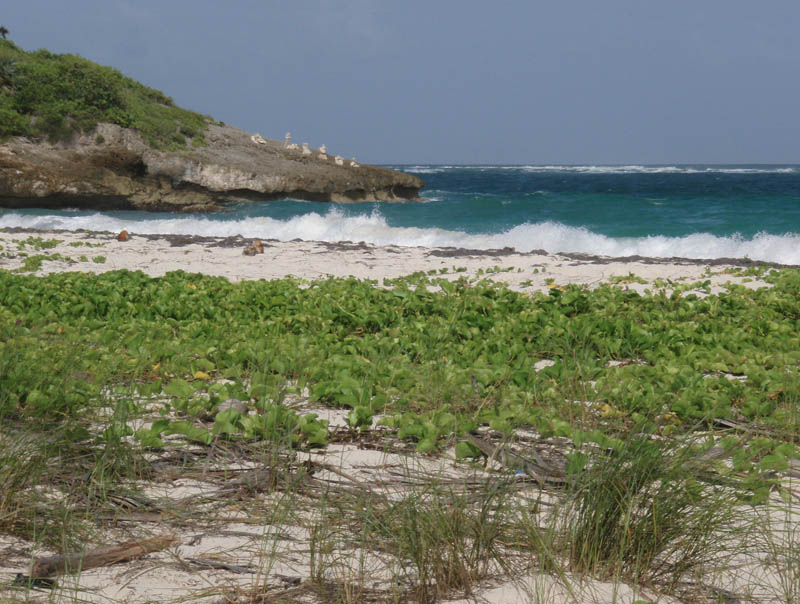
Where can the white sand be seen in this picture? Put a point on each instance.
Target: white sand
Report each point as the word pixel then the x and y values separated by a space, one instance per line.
pixel 166 576
pixel 157 255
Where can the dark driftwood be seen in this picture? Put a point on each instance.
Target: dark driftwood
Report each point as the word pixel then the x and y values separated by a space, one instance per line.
pixel 101 556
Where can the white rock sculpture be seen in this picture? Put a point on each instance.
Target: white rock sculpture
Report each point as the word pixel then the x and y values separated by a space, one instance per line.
pixel 287 140
pixel 258 139
pixel 339 161
pixel 353 163
pixel 322 149
pixel 293 146
pixel 306 150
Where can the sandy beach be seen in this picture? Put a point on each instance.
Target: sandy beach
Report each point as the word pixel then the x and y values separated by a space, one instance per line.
pixel 157 255
pixel 232 552
pixel 357 303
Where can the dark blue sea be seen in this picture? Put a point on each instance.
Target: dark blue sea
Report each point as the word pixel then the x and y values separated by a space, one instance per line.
pixel 658 211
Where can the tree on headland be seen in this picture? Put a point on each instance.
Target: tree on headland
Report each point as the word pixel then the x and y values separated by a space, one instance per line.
pixel 3 31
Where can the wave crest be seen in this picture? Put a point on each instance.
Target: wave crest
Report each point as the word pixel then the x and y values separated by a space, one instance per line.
pixel 599 169
pixel 335 225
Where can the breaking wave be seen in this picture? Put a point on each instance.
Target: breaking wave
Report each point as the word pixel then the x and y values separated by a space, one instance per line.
pixel 334 225
pixel 599 169
pixel 660 169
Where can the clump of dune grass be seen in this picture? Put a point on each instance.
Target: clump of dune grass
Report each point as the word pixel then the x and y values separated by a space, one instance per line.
pixel 33 501
pixel 777 530
pixel 777 538
pixel 55 476
pixel 446 542
pixel 645 514
pixel 21 465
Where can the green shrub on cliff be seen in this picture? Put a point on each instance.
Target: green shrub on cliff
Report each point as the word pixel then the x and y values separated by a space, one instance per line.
pixel 46 95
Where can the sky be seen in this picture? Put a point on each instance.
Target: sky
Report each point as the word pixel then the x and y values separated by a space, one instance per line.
pixel 461 81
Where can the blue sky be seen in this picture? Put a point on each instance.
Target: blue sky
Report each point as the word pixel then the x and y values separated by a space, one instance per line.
pixel 446 81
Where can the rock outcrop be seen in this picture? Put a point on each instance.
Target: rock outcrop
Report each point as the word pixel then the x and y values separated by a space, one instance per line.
pixel 113 168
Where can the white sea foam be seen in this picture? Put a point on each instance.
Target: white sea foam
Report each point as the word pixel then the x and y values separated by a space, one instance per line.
pixel 637 169
pixel 334 225
pixel 629 169
pixel 423 169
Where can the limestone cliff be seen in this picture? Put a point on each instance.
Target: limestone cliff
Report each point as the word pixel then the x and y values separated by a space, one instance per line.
pixel 114 168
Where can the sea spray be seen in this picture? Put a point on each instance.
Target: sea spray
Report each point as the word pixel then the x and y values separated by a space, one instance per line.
pixel 701 212
pixel 334 225
pixel 600 169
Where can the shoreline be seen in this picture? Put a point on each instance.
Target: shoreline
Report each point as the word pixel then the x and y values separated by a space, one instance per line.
pixel 156 255
pixel 178 240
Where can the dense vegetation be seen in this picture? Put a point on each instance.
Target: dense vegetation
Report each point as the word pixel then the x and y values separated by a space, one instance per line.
pixel 54 95
pixel 433 363
pixel 670 411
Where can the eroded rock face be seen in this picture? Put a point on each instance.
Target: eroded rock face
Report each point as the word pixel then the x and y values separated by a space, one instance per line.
pixel 122 172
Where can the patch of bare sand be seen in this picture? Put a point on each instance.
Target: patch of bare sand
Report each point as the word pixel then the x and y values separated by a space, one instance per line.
pixel 295 542
pixel 288 540
pixel 309 260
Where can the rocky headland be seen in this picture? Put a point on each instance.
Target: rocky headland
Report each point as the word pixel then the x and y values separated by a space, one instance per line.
pixel 114 168
pixel 77 134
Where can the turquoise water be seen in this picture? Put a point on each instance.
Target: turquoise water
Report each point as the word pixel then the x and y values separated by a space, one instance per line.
pixel 685 211
pixel 630 201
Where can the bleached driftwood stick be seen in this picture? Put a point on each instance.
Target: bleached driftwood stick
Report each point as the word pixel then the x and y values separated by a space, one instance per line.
pixel 101 556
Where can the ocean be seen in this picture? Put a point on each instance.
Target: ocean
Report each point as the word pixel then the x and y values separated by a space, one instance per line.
pixel 655 211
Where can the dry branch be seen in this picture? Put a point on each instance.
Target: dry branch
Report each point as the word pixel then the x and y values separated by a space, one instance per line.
pixel 101 556
pixel 207 563
pixel 535 467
